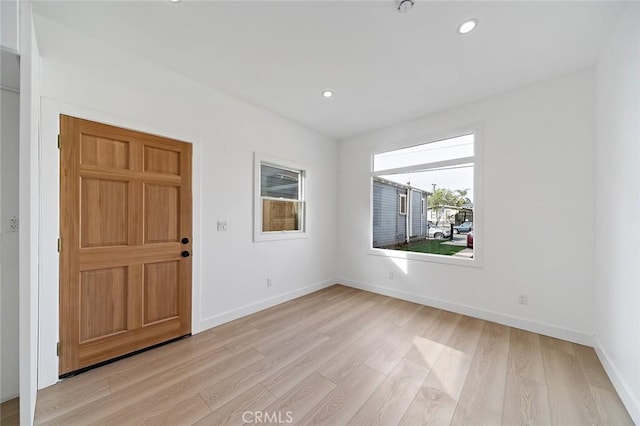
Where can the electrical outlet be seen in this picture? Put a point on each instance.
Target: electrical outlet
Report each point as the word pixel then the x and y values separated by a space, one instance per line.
pixel 269 283
pixel 391 275
pixel 222 226
pixel 13 224
pixel 524 299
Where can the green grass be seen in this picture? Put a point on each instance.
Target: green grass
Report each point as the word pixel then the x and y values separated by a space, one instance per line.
pixel 430 246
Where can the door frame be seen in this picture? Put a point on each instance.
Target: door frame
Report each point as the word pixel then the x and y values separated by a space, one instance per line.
pixel 49 223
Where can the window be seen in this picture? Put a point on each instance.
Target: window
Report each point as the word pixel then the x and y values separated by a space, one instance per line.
pixel 435 181
pixel 403 204
pixel 280 202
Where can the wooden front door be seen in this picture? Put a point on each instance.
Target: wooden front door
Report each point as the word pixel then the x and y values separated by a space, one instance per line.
pixel 125 223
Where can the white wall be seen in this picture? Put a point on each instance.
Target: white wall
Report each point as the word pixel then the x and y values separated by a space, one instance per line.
pixel 9 25
pixel 87 78
pixel 538 221
pixel 617 283
pixel 9 284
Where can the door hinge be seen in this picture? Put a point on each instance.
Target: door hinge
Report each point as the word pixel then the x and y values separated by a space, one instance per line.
pixel 59 245
pixel 58 141
pixel 58 349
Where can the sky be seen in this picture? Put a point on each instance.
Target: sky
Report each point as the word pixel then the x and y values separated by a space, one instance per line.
pixel 452 176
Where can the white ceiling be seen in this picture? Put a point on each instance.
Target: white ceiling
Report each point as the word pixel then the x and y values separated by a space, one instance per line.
pixel 384 67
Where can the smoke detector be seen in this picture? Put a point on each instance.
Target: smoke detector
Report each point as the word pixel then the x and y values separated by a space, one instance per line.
pixel 404 5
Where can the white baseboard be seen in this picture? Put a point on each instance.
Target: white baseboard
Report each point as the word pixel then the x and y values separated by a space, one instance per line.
pixel 8 398
pixel 510 320
pixel 252 308
pixel 630 401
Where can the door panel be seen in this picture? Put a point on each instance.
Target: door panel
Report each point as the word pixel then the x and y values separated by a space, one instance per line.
pixel 161 228
pixel 125 205
pixel 109 153
pixel 103 302
pixel 104 207
pixel 161 286
pixel 164 161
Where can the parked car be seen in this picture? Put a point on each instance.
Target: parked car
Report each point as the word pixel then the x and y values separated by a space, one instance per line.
pixel 436 232
pixel 470 239
pixel 463 227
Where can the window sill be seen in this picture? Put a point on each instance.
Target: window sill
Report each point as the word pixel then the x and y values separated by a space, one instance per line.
pixel 277 236
pixel 426 257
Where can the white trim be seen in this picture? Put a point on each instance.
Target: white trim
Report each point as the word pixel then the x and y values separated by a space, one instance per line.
pixel 400 204
pixel 11 89
pixel 10 49
pixel 28 214
pixel 509 320
pixel 269 302
pixel 630 401
pixel 424 257
pixel 48 225
pixel 436 136
pixel 288 200
pixel 259 236
pixel 424 167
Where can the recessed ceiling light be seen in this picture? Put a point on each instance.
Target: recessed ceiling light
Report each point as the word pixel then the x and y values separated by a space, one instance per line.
pixel 327 93
pixel 175 1
pixel 468 26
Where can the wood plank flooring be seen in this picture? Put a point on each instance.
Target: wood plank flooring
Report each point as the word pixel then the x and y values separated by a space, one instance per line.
pixel 342 356
pixel 10 412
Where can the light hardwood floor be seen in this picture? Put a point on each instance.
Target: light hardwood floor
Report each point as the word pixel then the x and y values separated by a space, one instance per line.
pixel 343 356
pixel 10 412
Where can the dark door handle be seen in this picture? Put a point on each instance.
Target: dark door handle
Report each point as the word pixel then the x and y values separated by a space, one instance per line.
pixel 185 254
pixel 185 240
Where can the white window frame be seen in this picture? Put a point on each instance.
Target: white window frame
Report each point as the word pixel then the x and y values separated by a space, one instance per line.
pixel 402 196
pixel 265 159
pixel 478 191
